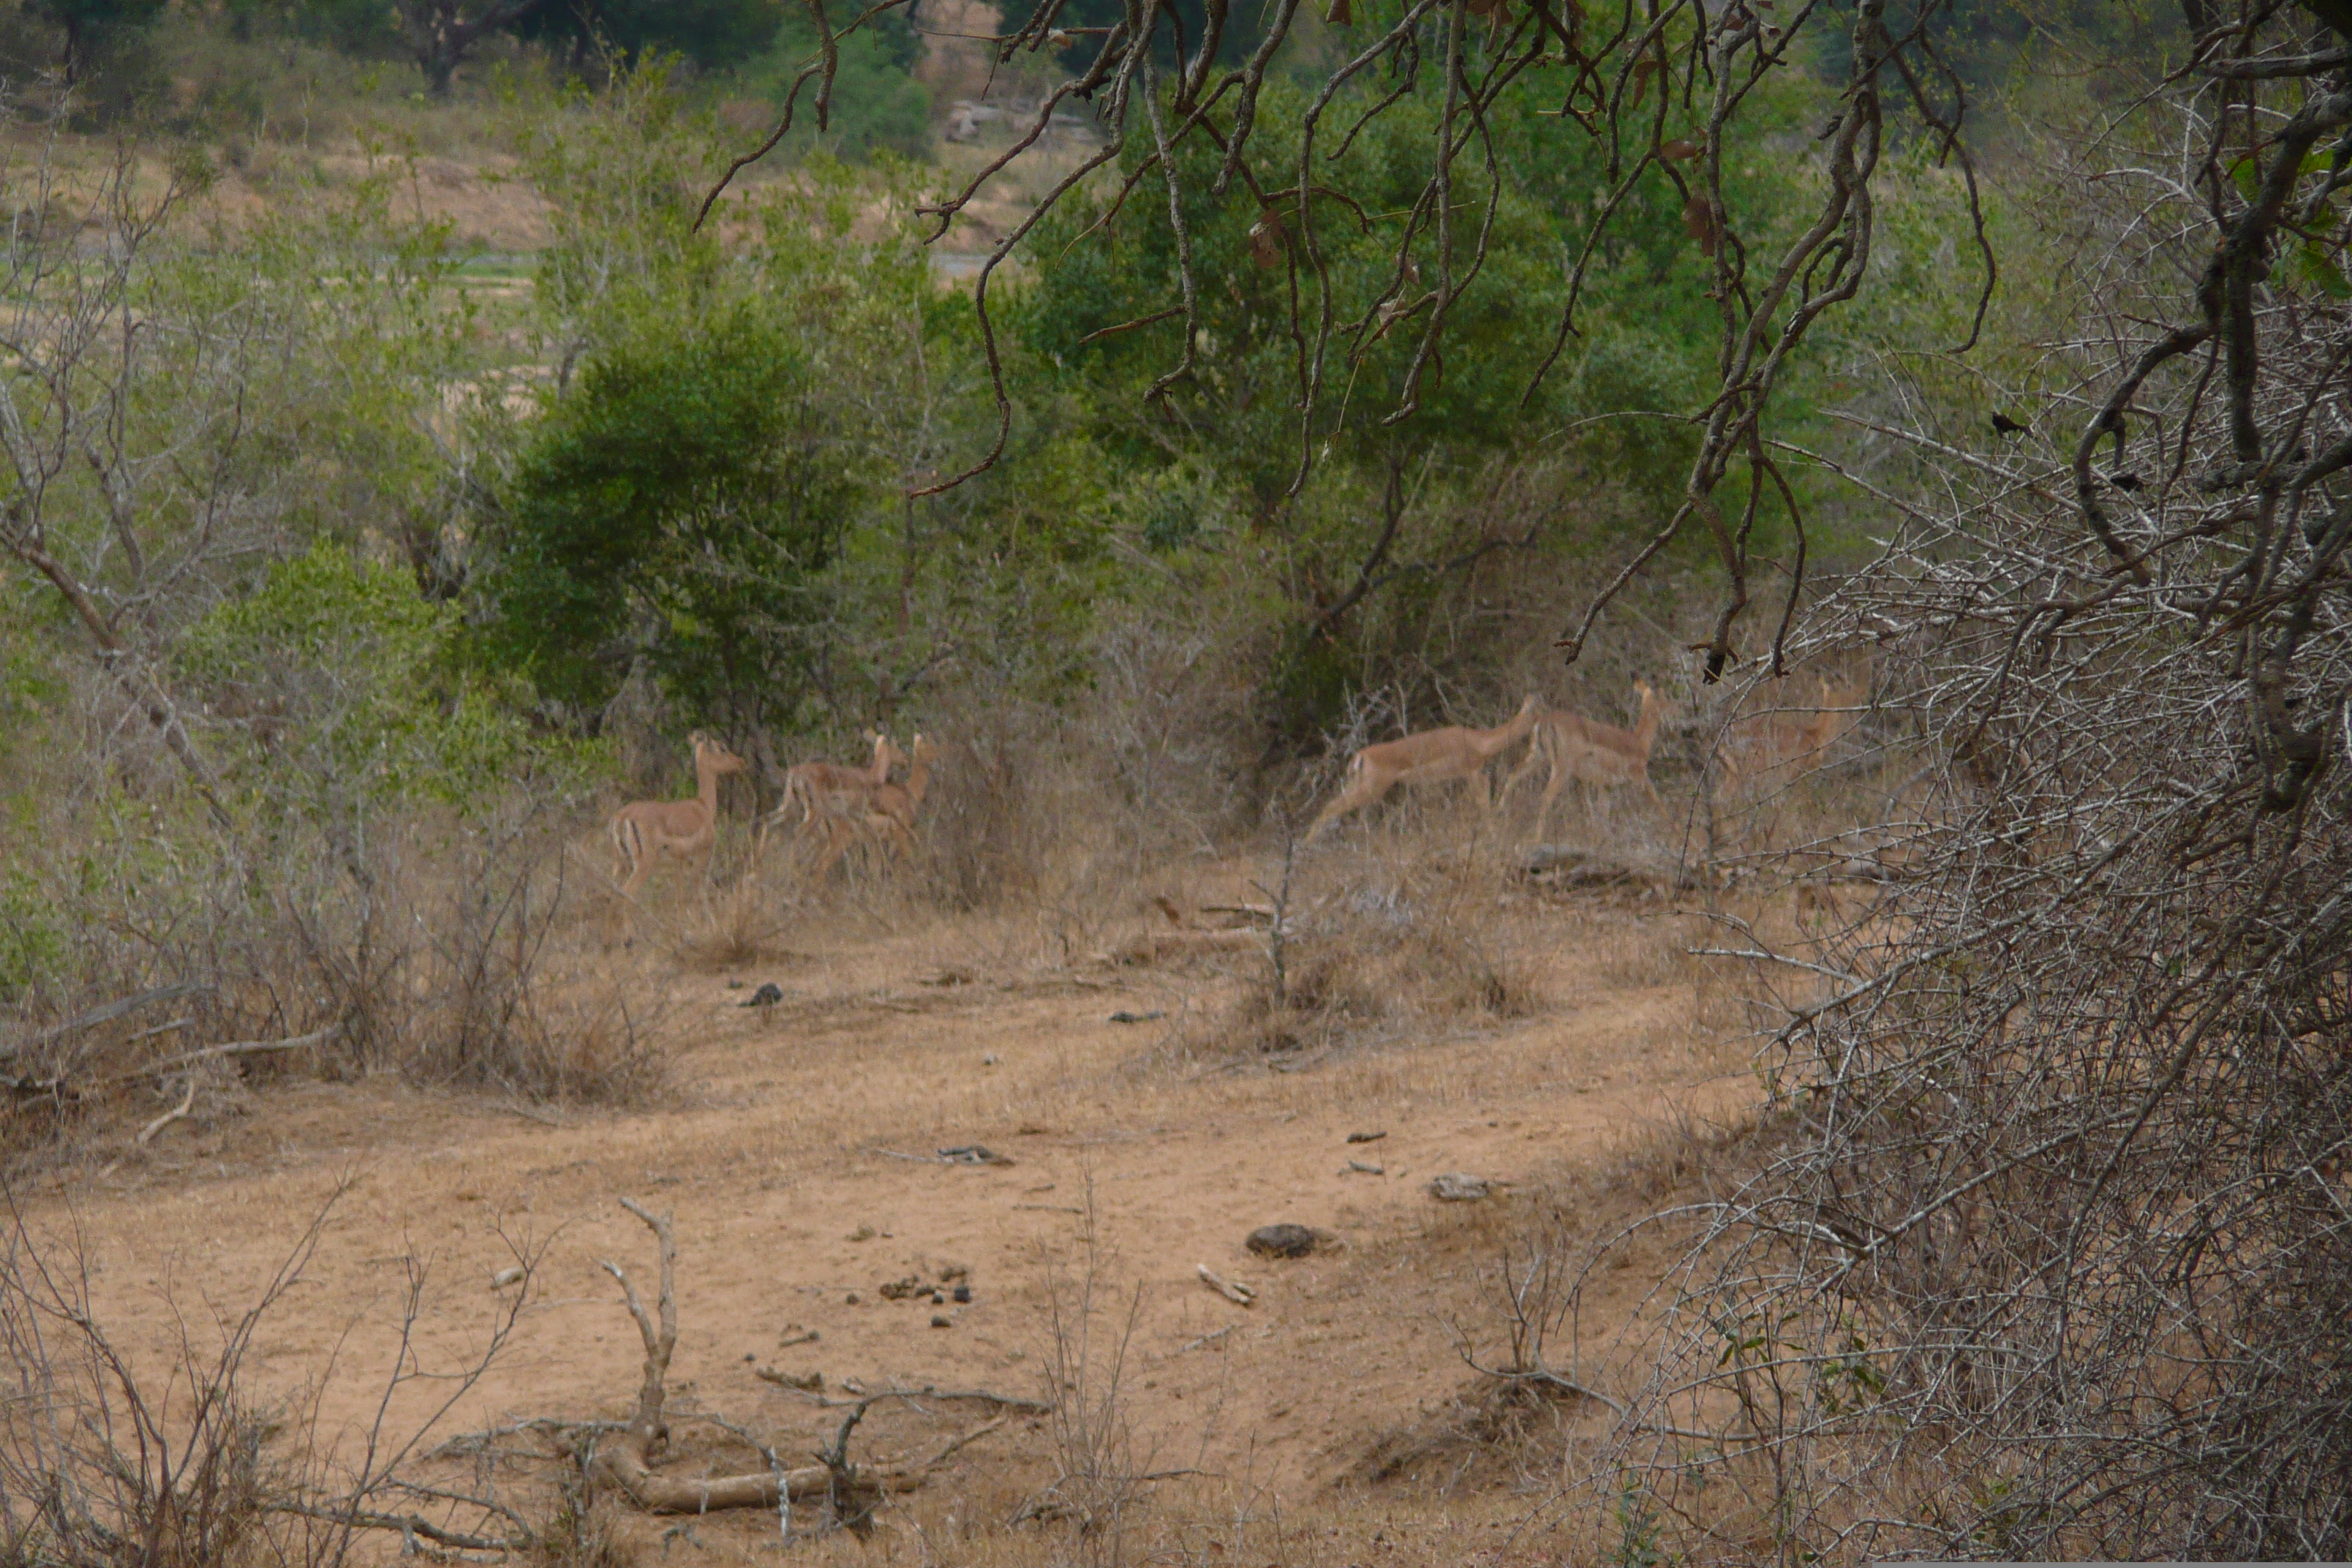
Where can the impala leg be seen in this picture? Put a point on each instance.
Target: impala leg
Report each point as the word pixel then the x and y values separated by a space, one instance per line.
pixel 1551 798
pixel 1363 792
pixel 1526 765
pixel 837 837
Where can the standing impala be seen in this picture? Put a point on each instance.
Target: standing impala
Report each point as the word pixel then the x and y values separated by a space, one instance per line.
pixel 1600 755
pixel 1430 757
pixel 886 810
pixel 685 829
pixel 829 790
pixel 1776 739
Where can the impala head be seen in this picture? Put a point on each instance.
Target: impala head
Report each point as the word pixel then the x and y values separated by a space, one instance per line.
pixel 709 753
pixel 922 750
pixel 886 755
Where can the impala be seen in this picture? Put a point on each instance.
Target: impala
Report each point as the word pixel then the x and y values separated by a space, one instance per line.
pixel 1776 740
pixel 1430 757
pixel 1600 756
pixel 685 829
pixel 831 789
pixel 887 810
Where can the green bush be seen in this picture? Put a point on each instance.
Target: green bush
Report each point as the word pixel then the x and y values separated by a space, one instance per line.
pixel 677 504
pixel 345 684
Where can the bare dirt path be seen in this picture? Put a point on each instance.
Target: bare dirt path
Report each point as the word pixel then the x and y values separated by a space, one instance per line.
pixel 780 1157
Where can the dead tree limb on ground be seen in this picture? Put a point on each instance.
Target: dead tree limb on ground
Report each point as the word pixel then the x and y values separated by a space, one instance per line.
pixel 626 1457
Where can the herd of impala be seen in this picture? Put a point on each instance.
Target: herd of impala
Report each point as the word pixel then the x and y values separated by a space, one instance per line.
pixel 844 804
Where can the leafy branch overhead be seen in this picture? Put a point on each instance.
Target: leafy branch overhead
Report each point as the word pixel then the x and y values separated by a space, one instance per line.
pixel 1661 93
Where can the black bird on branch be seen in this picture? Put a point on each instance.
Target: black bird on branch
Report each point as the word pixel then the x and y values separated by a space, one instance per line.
pixel 2003 425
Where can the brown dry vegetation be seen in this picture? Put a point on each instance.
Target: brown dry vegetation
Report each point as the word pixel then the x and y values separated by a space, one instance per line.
pixel 1557 1042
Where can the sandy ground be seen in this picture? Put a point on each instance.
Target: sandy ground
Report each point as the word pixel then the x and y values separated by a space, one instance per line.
pixel 792 1149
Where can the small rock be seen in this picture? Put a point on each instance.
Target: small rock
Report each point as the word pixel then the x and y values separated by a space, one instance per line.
pixel 748 1356
pixel 767 995
pixel 1124 1016
pixel 1458 1187
pixel 807 1383
pixel 1366 1137
pixel 937 1300
pixel 940 1321
pixel 853 1298
pixel 1281 1241
pixel 506 1277
pixel 951 1272
pixel 972 1155
pixel 990 1059
pixel 901 1289
pixel 1358 1167
pixel 963 1293
pixel 863 1233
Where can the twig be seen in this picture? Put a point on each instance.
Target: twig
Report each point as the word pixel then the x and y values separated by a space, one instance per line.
pixel 177 1112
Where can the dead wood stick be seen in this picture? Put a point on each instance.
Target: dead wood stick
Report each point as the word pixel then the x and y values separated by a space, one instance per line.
pixel 982 1395
pixel 107 1014
pixel 239 1048
pixel 177 1112
pixel 1209 1338
pixel 409 1524
pixel 1233 1290
pixel 623 1457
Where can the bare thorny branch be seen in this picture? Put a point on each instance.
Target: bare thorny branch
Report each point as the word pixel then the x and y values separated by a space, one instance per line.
pixel 2049 1257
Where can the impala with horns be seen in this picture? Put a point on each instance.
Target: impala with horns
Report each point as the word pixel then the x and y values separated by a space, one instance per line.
pixel 683 829
pixel 1597 756
pixel 1432 756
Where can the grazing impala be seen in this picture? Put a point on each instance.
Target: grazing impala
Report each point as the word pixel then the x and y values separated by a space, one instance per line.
pixel 830 790
pixel 1430 757
pixel 685 829
pixel 1600 756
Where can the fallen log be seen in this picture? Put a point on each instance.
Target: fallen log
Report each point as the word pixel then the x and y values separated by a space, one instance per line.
pixel 105 1015
pixel 626 1458
pixel 1573 866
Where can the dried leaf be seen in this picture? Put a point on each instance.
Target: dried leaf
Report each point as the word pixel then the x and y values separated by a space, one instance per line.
pixel 1340 15
pixel 1698 223
pixel 1643 71
pixel 1675 152
pixel 1269 240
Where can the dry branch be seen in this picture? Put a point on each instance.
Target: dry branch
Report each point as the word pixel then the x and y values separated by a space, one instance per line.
pixel 626 1458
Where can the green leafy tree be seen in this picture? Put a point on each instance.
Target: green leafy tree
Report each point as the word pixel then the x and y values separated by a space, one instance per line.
pixel 442 33
pixel 678 505
pixel 86 22
pixel 711 33
pixel 876 105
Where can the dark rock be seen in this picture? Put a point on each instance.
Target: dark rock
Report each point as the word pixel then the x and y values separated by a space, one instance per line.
pixel 1282 1241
